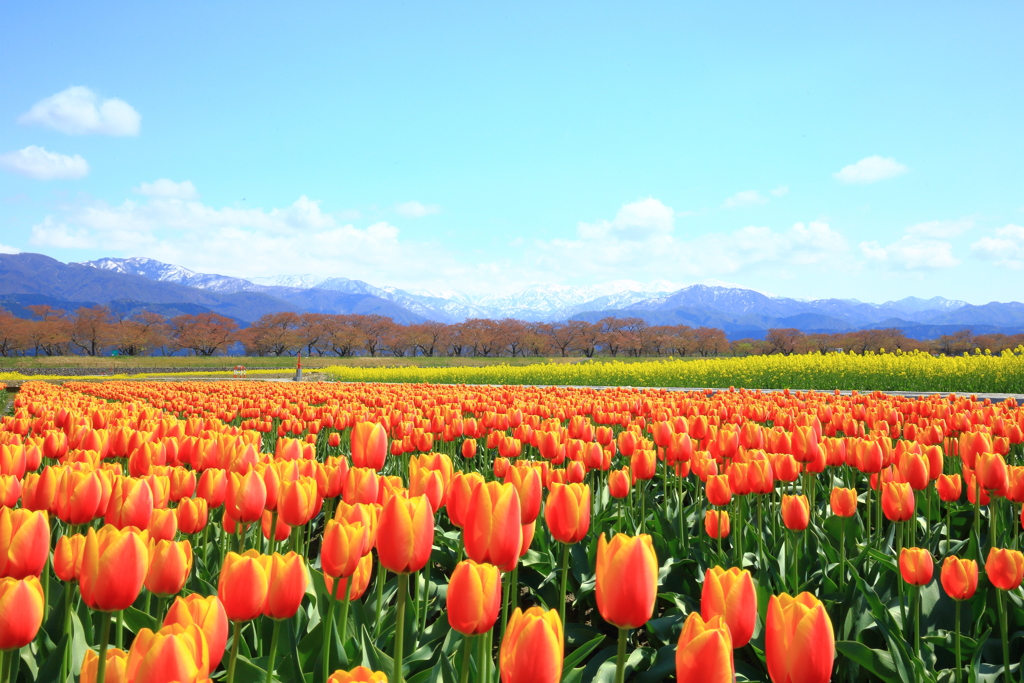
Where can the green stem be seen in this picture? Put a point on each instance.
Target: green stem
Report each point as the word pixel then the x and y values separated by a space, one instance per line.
pixel 273 532
pixel 381 576
pixel 328 625
pixel 956 641
pixel 403 589
pixel 1006 635
pixel 65 665
pixel 4 678
pixel 504 604
pixel 643 506
pixel 466 646
pixel 483 671
pixel 917 621
pixel 620 657
pixel 234 651
pixel 101 664
pixel 344 610
pixel 273 651
pixel 426 594
pixel 119 635
pixel 565 576
pixel 899 581
pixel 842 553
pixel 514 591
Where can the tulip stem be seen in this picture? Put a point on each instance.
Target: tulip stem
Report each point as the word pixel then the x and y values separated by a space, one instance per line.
pixel 899 583
pixel 237 635
pixel 565 576
pixel 403 589
pixel 66 662
pixel 620 657
pixel 273 532
pixel 466 647
pixel 1001 595
pixel 119 635
pixel 917 620
pixel 483 670
pixel 956 641
pixel 643 506
pixel 514 591
pixel 344 610
pixel 381 576
pixel 273 651
pixel 842 553
pixel 426 593
pixel 3 667
pixel 101 665
pixel 329 624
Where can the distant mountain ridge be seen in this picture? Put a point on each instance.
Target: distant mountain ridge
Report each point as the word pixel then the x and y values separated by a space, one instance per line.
pixel 133 283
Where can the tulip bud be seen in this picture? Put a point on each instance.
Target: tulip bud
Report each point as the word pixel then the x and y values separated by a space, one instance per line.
pixel 897 501
pixel 716 523
pixel 170 564
pixel 360 579
pixel 174 653
pixel 531 650
pixel 67 557
pixel 959 577
pixel 21 611
pixel 193 514
pixel 116 668
pixel 360 674
pixel 1004 568
pixel 494 532
pixel 619 483
pixel 369 445
pixel 24 542
pixel 567 512
pixel 844 502
pixel 796 512
pixel 730 594
pixel 405 534
pixel 208 614
pixel 626 580
pixel 286 584
pixel 704 652
pixel 949 487
pixel 344 545
pixel 114 568
pixel 242 587
pixel 916 566
pixel 799 641
pixel 474 597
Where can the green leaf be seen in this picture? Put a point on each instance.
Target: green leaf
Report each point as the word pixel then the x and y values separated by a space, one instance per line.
pixel 136 620
pixel 579 654
pixel 878 662
pixel 247 672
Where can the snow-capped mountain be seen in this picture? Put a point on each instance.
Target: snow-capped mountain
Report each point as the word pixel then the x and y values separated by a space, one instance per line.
pixel 166 272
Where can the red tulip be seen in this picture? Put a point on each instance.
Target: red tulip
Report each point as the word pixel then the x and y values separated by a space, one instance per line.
pixel 21 611
pixel 716 523
pixel 730 594
pixel 494 532
pixel 531 650
pixel 959 577
pixel 567 512
pixel 796 512
pixel 474 597
pixel 626 579
pixel 799 642
pixel 24 542
pixel 405 534
pixel 916 566
pixel 1004 568
pixel 208 614
pixel 704 652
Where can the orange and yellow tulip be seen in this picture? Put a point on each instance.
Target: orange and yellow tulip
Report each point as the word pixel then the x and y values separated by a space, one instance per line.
pixel 730 594
pixel 116 666
pixel 843 501
pixel 243 586
pixel 494 532
pixel 21 611
pixel 115 563
pixel 174 653
pixel 567 512
pixel 704 652
pixel 474 597
pixel 360 674
pixel 1004 568
pixel 206 612
pixel 405 534
pixel 626 580
pixel 799 641
pixel 24 542
pixel 531 650
pixel 916 566
pixel 959 577
pixel 170 564
pixel 796 512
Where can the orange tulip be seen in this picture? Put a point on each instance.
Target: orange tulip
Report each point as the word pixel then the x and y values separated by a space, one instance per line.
pixel 1004 568
pixel 175 653
pixel 24 542
pixel 626 579
pixel 297 501
pixel 193 514
pixel 494 532
pixel 897 501
pixel 163 525
pixel 286 584
pixel 704 652
pixel 530 487
pixel 469 448
pixel 344 545
pixel 67 557
pixel 619 483
pixel 730 594
pixel 716 523
pixel 243 586
pixel 360 579
pixel 246 496
pixel 39 491
pixel 916 566
pixel 844 502
pixel 362 485
pixel 718 490
pixel 949 487
pixel 405 534
pixel 360 514
pixel 116 669
pixel 208 614
pixel 114 567
pixel 990 468
pixel 643 464
pixel 131 504
pixel 82 496
pixel 959 577
pixel 369 445
pixel 799 641
pixel 170 564
pixel 474 597
pixel 360 674
pixel 760 477
pixel 21 611
pixel 796 512
pixel 567 512
pixel 531 650
pixel 213 487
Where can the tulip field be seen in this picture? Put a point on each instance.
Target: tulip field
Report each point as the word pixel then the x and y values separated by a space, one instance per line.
pixel 330 532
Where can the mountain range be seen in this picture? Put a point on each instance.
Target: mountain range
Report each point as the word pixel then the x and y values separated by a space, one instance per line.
pixel 131 284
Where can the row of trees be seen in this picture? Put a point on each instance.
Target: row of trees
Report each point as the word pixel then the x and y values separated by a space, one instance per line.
pixel 99 331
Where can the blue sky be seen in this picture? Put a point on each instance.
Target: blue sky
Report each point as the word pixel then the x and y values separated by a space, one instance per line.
pixel 864 150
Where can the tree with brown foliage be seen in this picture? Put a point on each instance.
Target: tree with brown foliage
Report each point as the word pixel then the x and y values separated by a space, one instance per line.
pixel 134 335
pixel 204 333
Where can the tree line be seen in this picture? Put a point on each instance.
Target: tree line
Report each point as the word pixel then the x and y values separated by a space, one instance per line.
pixel 97 330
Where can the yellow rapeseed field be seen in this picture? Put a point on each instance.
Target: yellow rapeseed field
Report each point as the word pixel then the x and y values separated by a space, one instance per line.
pixel 915 371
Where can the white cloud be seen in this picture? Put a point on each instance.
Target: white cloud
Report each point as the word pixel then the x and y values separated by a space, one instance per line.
pixel 416 209
pixel 36 162
pixel 745 198
pixel 870 170
pixel 1005 247
pixel 4 249
pixel 50 233
pixel 942 230
pixel 168 189
pixel 79 111
pixel 780 191
pixel 911 252
pixel 637 221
